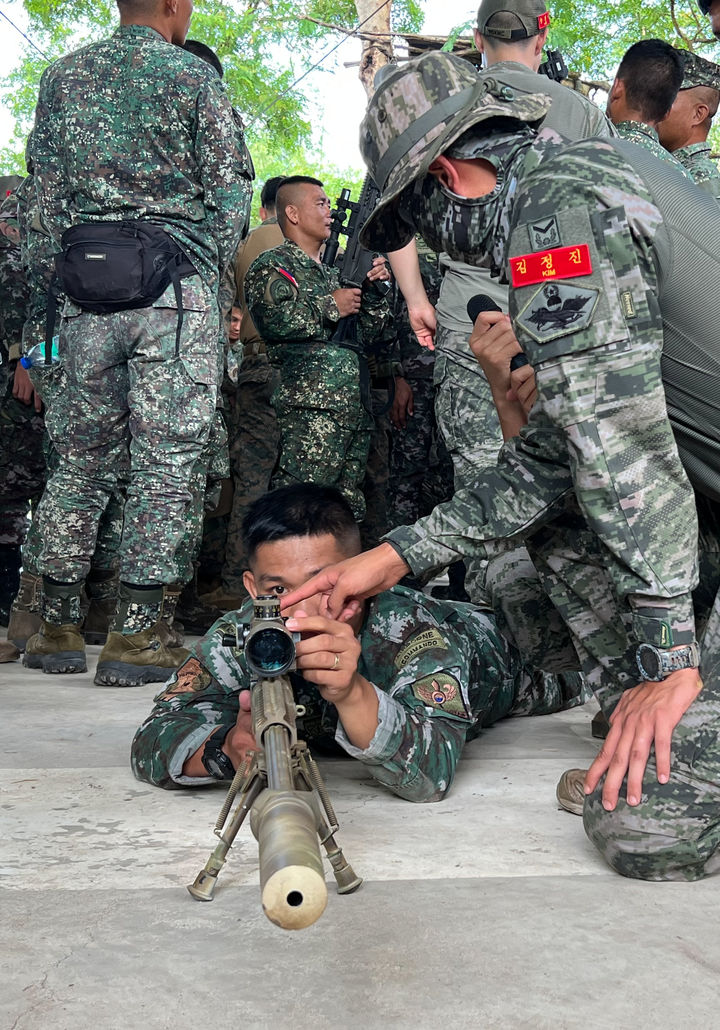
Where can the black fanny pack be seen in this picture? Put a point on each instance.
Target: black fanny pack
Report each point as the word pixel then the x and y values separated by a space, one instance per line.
pixel 117 266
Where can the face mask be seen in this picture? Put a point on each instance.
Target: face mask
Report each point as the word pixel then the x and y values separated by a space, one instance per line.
pixel 474 230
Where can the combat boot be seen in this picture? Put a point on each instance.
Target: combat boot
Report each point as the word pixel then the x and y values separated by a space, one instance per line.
pixel 25 618
pixel 8 652
pixel 10 561
pixel 137 655
pixel 101 589
pixel 169 631
pixel 58 646
pixel 196 616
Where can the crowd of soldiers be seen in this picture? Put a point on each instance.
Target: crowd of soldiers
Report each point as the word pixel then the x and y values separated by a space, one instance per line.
pixel 533 387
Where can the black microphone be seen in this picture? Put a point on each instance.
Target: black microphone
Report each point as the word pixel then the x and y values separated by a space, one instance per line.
pixel 481 302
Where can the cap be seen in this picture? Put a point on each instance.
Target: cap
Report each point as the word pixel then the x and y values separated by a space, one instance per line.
pixel 529 17
pixel 697 71
pixel 416 113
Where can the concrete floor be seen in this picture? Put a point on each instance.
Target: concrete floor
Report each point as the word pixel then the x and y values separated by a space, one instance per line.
pixel 487 910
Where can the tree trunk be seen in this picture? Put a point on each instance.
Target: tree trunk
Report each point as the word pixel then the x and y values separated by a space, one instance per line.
pixel 377 44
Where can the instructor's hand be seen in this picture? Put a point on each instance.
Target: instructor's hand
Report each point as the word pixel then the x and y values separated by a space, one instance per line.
pixel 327 654
pixel 343 586
pixel 644 714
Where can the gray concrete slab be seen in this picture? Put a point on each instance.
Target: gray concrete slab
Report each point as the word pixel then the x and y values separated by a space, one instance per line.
pixel 489 909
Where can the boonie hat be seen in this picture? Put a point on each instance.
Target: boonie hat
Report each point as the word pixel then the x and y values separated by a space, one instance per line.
pixel 531 16
pixel 416 113
pixel 697 71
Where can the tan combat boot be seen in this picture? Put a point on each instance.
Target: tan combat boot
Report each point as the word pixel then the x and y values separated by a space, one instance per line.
pixel 131 659
pixel 56 649
pixel 58 646
pixel 8 652
pixel 137 655
pixel 25 618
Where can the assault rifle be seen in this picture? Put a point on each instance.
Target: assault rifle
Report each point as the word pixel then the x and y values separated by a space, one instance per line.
pixel 280 785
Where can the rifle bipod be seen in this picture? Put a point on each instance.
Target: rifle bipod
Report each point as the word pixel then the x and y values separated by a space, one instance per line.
pixel 289 824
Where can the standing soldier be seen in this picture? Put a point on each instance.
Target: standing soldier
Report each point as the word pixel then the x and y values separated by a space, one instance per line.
pixel 296 303
pixel 684 131
pixel 166 163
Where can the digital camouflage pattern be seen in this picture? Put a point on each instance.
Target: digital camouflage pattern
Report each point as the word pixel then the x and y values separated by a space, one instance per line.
pixel 324 428
pixel 178 166
pixel 696 160
pixel 441 672
pixel 698 71
pixel 646 136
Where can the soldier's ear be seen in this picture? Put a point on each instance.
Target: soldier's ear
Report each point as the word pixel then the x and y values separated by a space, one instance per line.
pixel 291 213
pixel 701 113
pixel 249 583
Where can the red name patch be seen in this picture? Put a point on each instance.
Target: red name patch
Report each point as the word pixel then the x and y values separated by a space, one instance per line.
pixel 543 20
pixel 560 263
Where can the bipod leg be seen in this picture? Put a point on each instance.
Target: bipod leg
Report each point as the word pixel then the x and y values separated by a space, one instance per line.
pixel 249 781
pixel 345 876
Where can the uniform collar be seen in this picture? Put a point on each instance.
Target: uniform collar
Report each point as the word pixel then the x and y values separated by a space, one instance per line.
pixel 643 127
pixel 138 32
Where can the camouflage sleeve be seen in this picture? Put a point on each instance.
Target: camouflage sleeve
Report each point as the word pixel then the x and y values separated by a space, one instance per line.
pixel 52 186
pixel 37 252
pixel 434 698
pixel 198 698
pixel 375 317
pixel 224 171
pixel 281 310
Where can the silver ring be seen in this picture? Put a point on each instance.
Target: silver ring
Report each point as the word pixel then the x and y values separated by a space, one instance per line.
pixel 336 663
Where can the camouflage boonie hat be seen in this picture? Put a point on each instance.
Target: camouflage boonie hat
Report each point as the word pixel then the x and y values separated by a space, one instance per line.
pixel 531 16
pixel 697 71
pixel 415 115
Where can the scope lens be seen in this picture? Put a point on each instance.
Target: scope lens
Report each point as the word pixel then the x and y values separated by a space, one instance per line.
pixel 270 650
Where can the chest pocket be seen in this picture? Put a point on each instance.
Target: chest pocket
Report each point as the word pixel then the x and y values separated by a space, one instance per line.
pixel 581 292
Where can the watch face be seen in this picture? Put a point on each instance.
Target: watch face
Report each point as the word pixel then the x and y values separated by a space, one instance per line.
pixel 649 661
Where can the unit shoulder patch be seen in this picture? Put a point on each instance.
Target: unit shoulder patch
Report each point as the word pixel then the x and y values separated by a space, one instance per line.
pixel 441 690
pixel 425 640
pixel 280 290
pixel 192 677
pixel 558 309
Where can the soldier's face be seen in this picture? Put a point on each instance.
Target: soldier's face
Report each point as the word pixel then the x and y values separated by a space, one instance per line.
pixel 313 210
pixel 280 566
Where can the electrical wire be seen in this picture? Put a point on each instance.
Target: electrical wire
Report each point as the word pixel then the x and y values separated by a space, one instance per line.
pixel 18 29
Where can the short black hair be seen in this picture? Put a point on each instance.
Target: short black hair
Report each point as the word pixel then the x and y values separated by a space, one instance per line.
pixel 205 53
pixel 268 194
pixel 652 72
pixel 301 509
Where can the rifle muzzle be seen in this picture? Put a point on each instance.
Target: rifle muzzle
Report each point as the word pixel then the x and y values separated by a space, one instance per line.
pixel 294 893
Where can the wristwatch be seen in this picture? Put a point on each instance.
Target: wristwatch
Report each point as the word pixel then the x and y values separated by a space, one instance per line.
pixel 656 664
pixel 214 758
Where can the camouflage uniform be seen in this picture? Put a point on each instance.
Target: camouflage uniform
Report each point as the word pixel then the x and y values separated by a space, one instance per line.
pixel 464 406
pixel 695 159
pixel 646 136
pixel 420 466
pixel 594 484
pixel 22 466
pixel 123 375
pixel 324 428
pixel 441 673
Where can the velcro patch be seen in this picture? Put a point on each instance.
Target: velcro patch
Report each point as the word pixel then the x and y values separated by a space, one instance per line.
pixel 544 234
pixel 441 690
pixel 560 263
pixel 425 640
pixel 280 290
pixel 192 677
pixel 558 309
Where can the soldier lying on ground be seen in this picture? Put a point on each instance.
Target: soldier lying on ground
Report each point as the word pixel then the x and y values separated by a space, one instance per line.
pixel 401 687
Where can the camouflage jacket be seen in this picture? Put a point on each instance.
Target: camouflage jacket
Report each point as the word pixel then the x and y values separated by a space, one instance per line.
pixel 134 127
pixel 585 313
pixel 645 136
pixel 695 158
pixel 13 284
pixel 441 672
pixel 289 296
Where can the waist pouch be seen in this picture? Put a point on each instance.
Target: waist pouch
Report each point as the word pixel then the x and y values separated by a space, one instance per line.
pixel 117 266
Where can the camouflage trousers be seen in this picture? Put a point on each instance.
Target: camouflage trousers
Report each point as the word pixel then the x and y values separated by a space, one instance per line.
pixel 421 473
pixel 322 445
pixel 674 833
pixel 377 471
pixel 129 387
pixel 254 447
pixel 22 463
pixel 468 423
